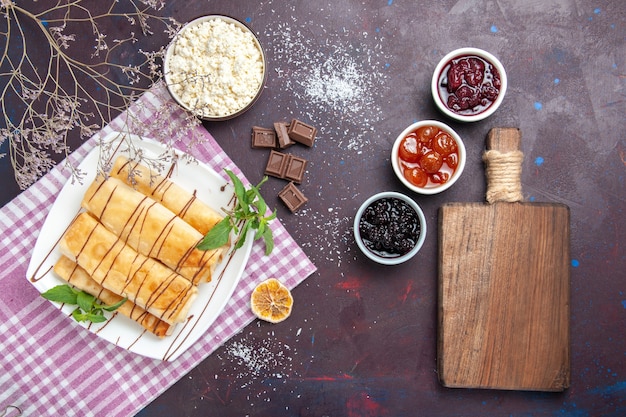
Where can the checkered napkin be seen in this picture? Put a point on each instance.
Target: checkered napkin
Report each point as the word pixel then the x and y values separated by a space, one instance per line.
pixel 52 367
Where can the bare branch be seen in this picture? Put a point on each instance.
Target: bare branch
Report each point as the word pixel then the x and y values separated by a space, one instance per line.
pixel 47 92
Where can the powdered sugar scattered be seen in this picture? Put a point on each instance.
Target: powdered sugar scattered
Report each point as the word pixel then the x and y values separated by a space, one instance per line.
pixel 262 358
pixel 336 233
pixel 337 81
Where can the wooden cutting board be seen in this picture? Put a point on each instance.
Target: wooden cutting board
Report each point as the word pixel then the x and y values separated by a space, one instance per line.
pixel 504 284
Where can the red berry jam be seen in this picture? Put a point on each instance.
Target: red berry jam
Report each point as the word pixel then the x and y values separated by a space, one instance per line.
pixel 469 85
pixel 428 156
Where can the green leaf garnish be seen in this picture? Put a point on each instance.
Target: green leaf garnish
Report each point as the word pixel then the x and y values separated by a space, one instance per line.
pixel 61 294
pixel 85 301
pixel 248 213
pixel 217 236
pixel 269 240
pixel 88 308
pixel 115 306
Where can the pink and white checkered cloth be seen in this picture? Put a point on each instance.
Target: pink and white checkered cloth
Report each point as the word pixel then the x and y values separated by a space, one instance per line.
pixel 50 367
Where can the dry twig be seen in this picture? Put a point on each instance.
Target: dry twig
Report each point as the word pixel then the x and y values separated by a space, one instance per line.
pixel 47 92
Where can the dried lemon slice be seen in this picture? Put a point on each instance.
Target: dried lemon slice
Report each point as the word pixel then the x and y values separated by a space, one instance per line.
pixel 271 301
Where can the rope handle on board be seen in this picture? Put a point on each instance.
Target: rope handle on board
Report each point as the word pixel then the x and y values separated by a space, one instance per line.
pixel 503 165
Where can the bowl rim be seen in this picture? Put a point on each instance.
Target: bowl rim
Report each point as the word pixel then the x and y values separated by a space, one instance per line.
pixel 400 259
pixel 434 86
pixel 457 173
pixel 169 52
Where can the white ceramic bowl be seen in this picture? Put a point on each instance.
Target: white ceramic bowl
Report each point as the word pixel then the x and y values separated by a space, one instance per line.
pixel 430 188
pixel 190 68
pixel 389 260
pixel 440 82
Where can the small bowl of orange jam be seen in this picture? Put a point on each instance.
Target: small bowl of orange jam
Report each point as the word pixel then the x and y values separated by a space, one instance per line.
pixel 428 157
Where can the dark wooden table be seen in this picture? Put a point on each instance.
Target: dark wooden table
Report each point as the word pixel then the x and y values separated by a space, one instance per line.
pixel 361 340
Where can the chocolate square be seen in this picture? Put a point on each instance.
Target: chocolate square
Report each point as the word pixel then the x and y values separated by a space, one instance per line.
pixel 292 197
pixel 284 141
pixel 295 169
pixel 263 138
pixel 277 164
pixel 302 132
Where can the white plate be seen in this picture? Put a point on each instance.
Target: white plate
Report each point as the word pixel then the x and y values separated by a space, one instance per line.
pixel 120 330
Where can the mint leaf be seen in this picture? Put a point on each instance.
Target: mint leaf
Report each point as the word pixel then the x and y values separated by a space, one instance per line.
pixel 78 315
pixel 249 210
pixel 260 204
pixel 96 318
pixel 85 301
pixel 243 234
pixel 217 236
pixel 88 309
pixel 115 306
pixel 61 294
pixel 260 229
pixel 240 190
pixel 268 238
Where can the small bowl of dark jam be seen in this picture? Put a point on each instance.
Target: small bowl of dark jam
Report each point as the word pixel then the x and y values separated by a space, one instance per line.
pixel 469 84
pixel 389 228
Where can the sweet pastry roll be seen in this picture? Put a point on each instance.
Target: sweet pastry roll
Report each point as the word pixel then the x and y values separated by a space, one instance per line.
pixel 171 195
pixel 150 228
pixel 71 272
pixel 119 268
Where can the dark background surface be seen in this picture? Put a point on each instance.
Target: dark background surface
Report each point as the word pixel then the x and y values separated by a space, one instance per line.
pixel 361 340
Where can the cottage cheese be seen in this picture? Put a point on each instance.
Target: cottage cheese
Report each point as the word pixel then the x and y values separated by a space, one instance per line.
pixel 215 68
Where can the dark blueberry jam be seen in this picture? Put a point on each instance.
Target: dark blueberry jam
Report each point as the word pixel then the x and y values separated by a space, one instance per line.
pixel 389 227
pixel 469 85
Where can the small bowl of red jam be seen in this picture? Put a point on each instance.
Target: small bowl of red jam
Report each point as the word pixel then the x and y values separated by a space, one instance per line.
pixel 469 84
pixel 428 157
pixel 389 228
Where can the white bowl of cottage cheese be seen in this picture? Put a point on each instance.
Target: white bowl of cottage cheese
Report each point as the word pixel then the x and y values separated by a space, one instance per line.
pixel 215 67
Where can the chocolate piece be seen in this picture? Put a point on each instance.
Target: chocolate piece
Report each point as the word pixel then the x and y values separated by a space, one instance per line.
pixel 263 138
pixel 295 169
pixel 302 132
pixel 286 166
pixel 277 164
pixel 284 141
pixel 292 197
